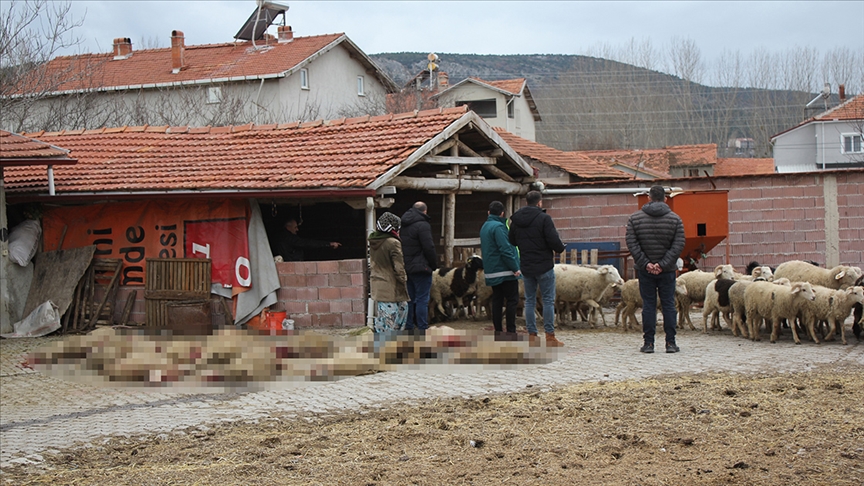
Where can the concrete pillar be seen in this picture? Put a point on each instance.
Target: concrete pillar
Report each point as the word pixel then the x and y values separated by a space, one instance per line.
pixel 832 221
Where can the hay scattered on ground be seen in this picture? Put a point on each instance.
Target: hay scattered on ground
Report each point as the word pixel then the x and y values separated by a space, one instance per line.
pixel 803 428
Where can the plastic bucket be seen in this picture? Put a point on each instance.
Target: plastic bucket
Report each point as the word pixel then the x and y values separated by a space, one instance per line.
pixel 274 319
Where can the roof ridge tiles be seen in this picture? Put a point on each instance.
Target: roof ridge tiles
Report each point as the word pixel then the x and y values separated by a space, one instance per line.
pixel 357 119
pixel 455 109
pixel 91 131
pixel 242 128
pixel 223 129
pixel 430 112
pixel 336 122
pixel 115 129
pixel 295 124
pixel 407 114
pixel 180 129
pixel 199 129
pixel 136 129
pixel 265 127
pixel 380 118
pixel 159 129
pixel 311 124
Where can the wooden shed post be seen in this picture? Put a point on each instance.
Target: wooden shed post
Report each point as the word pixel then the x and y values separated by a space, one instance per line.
pixel 370 227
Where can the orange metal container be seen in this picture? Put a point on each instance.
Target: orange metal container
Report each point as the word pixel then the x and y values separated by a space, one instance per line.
pixel 706 220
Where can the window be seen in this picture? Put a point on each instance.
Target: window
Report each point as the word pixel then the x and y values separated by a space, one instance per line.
pixel 852 144
pixel 511 111
pixel 304 79
pixel 214 95
pixel 360 90
pixel 484 108
pixel 692 172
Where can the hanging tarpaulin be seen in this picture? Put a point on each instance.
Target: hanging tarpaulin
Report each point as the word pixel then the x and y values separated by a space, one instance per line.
pixel 135 231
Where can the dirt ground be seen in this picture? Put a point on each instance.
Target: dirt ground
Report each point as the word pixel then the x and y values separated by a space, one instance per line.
pixel 709 429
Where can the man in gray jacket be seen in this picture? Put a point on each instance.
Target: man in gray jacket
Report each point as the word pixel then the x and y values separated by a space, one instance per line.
pixel 655 238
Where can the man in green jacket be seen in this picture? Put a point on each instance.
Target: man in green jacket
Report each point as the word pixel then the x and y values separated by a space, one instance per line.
pixel 500 268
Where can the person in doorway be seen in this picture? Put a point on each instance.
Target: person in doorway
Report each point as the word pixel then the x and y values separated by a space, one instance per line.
pixel 387 278
pixel 500 269
pixel 420 262
pixel 290 246
pixel 533 231
pixel 655 238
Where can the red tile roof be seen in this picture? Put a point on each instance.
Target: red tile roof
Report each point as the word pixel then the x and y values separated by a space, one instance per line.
pixel 346 153
pixel 512 86
pixel 743 166
pixel 20 150
pixel 210 62
pixel 571 162
pixel 659 160
pixel 851 110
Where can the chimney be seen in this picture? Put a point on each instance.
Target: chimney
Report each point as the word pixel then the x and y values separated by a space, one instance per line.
pixel 269 39
pixel 285 33
pixel 842 89
pixel 443 80
pixel 178 54
pixel 122 48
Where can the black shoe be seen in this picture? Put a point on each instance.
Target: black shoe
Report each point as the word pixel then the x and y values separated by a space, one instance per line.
pixel 671 348
pixel 647 348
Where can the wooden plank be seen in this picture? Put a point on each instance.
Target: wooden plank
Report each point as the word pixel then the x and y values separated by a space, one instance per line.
pixel 175 294
pixel 457 160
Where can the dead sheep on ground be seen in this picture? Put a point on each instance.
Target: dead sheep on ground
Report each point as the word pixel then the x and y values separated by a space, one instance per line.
pixel 771 303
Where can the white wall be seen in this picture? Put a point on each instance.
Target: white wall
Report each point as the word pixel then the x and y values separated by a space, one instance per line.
pixel 806 148
pixel 521 124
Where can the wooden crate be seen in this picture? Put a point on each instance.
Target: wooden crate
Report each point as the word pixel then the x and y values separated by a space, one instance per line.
pixel 169 280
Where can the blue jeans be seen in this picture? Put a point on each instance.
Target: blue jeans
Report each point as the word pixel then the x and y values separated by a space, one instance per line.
pixel 419 285
pixel 546 282
pixel 649 286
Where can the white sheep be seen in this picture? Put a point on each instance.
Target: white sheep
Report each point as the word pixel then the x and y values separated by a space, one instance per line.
pixel 631 301
pixel 736 301
pixel 717 303
pixel 839 277
pixel 575 284
pixel 832 306
pixel 771 303
pixel 757 273
pixel 696 282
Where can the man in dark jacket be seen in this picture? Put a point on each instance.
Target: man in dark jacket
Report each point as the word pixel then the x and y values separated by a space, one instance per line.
pixel 420 262
pixel 291 246
pixel 533 231
pixel 655 238
pixel 500 268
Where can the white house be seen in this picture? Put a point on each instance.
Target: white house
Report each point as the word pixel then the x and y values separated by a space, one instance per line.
pixel 275 79
pixel 830 140
pixel 503 104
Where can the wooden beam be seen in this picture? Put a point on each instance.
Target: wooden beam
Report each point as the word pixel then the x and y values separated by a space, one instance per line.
pixel 490 185
pixel 450 160
pixel 466 241
pixel 444 146
pixel 499 173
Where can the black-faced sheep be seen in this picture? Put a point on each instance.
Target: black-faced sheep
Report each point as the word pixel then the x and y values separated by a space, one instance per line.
pixel 696 282
pixel 832 306
pixel 839 277
pixel 575 284
pixel 631 301
pixel 453 283
pixel 771 303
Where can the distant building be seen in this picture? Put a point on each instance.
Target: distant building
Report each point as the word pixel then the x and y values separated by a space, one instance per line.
pixel 830 140
pixel 506 104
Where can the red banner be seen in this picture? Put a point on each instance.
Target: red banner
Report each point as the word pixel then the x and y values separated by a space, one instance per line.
pixel 136 231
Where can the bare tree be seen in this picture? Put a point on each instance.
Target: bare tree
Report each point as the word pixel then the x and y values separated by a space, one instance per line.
pixel 33 32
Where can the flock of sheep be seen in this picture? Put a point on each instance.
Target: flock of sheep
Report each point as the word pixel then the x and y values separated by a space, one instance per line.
pixel 798 294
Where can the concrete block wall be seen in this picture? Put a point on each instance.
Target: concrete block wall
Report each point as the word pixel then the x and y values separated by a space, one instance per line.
pixel 323 294
pixel 772 218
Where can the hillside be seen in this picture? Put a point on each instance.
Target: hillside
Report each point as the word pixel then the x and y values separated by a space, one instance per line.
pixel 590 103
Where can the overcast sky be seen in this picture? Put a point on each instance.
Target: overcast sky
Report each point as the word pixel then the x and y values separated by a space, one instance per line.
pixel 494 27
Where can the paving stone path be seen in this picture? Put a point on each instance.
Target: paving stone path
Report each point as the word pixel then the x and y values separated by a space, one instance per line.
pixel 40 413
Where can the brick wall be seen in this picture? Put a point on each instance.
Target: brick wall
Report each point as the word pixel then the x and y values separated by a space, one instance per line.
pixel 772 218
pixel 323 294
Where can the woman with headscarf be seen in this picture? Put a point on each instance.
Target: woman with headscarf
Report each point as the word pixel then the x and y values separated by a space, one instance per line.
pixel 388 279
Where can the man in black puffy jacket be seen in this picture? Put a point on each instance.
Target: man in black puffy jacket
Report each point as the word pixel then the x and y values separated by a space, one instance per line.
pixel 655 238
pixel 533 231
pixel 420 261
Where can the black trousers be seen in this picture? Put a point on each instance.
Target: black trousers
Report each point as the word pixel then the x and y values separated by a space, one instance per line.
pixel 506 291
